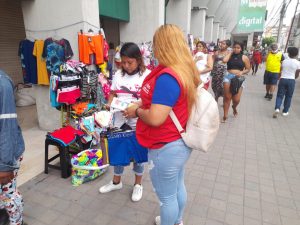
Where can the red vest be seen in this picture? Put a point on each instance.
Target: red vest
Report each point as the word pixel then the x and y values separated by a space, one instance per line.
pixel 156 137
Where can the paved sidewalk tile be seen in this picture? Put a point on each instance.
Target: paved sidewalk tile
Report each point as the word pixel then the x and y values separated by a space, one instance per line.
pixel 251 176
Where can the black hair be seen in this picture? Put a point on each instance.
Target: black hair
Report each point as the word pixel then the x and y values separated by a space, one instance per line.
pixel 240 44
pixel 203 44
pixel 292 51
pixel 111 45
pixel 132 50
pixel 4 217
pixel 227 42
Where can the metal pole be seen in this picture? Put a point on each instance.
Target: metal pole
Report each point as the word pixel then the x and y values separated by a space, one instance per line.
pixel 291 28
pixel 282 12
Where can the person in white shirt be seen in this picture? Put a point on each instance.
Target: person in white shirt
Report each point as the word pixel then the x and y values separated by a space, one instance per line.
pixel 290 69
pixel 126 87
pixel 204 63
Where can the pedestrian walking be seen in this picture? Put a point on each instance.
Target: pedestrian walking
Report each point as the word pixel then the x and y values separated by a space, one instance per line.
pixel 237 66
pixel 219 69
pixel 204 62
pixel 126 86
pixel 273 64
pixel 256 60
pixel 290 69
pixel 11 151
pixel 170 86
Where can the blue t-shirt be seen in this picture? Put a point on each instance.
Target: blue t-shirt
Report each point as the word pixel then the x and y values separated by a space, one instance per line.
pixel 166 90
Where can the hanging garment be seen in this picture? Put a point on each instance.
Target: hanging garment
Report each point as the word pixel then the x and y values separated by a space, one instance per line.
pixel 56 52
pixel 89 85
pixel 53 94
pixel 88 45
pixel 42 75
pixel 28 61
pixel 68 95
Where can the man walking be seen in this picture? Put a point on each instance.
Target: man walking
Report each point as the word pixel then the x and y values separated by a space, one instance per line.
pixel 11 150
pixel 273 64
pixel 290 71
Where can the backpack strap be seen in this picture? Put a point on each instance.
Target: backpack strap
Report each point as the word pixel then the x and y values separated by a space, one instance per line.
pixel 175 119
pixel 176 122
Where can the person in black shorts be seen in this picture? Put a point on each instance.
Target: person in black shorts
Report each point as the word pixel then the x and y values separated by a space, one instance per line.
pixel 273 67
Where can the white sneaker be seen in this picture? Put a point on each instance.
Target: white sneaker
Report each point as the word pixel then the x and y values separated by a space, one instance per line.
pixel 157 221
pixel 285 114
pixel 110 187
pixel 276 113
pixel 137 193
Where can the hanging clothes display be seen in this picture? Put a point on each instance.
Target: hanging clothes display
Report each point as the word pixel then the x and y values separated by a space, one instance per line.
pixel 56 52
pixel 42 75
pixel 28 61
pixel 90 45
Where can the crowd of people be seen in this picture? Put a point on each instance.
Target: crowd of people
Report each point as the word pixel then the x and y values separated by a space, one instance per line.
pixel 172 85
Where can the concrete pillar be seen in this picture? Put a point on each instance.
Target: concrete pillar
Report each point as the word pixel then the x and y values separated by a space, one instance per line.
pixel 225 35
pixel 216 25
pixel 145 17
pixel 57 19
pixel 179 12
pixel 221 33
pixel 250 40
pixel 209 23
pixel 198 16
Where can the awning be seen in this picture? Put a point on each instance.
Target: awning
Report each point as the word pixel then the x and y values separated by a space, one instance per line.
pixel 116 9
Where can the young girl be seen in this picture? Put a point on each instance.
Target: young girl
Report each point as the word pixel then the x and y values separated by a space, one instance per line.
pixel 126 86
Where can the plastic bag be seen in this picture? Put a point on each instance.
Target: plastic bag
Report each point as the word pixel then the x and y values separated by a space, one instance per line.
pixel 87 165
pixel 24 95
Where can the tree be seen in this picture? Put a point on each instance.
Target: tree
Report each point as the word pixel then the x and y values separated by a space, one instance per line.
pixel 268 41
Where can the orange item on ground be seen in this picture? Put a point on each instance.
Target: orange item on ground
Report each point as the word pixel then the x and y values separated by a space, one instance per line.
pixel 90 44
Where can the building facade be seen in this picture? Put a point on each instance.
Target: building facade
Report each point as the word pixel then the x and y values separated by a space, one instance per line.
pixel 123 21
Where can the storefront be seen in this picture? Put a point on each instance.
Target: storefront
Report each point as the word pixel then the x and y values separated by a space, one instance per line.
pixel 111 13
pixel 12 31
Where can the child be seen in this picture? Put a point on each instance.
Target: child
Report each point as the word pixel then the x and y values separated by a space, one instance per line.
pixel 126 86
pixel 290 69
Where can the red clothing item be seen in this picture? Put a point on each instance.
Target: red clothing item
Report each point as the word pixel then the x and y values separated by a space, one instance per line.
pixel 66 134
pixel 155 137
pixel 257 57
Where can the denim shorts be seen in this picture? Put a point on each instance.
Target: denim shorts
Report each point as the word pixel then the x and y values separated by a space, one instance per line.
pixel 227 78
pixel 270 78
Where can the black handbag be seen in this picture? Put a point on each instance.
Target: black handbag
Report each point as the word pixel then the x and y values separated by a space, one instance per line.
pixel 235 84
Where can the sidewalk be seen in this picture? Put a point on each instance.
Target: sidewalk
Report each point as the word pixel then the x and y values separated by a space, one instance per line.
pixel 250 177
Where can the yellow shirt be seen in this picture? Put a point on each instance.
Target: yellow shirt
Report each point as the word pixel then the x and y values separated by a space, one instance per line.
pixel 273 62
pixel 42 73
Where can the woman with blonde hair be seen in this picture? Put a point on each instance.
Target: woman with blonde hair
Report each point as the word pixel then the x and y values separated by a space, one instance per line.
pixel 170 86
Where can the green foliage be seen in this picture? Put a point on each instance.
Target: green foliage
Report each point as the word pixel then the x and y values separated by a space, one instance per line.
pixel 268 41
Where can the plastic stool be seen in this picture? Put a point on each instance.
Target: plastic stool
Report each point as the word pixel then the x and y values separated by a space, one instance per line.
pixel 65 163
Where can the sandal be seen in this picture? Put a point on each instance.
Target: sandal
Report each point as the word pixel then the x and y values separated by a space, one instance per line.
pixel 224 119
